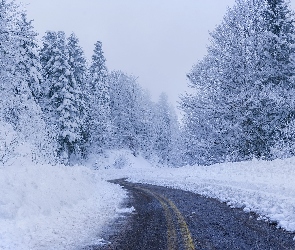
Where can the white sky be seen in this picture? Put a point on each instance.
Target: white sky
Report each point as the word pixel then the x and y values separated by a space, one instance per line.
pixel 156 40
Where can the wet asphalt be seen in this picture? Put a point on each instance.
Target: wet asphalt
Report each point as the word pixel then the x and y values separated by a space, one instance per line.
pixel 173 219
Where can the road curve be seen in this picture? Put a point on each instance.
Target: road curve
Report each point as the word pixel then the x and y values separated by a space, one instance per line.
pixel 171 219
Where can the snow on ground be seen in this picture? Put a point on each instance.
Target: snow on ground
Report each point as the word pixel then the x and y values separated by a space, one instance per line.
pixel 50 207
pixel 264 187
pixel 54 207
pixel 57 207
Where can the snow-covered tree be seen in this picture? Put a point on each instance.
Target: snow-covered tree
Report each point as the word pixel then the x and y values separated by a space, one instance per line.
pixel 244 84
pixel 145 117
pixel 8 88
pixel 29 66
pixel 20 79
pixel 166 131
pixel 99 122
pixel 78 66
pixel 123 90
pixel 61 95
pixel 280 72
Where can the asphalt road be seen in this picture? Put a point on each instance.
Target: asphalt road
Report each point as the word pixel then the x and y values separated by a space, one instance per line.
pixel 174 219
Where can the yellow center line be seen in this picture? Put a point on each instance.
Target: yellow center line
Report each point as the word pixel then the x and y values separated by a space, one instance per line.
pixel 186 235
pixel 171 232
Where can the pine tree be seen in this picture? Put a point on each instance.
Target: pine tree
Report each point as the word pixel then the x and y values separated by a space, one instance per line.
pixel 29 66
pixel 166 131
pixel 99 101
pixel 78 66
pixel 61 95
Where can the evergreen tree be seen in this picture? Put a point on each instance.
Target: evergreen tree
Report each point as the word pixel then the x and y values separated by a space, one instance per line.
pixel 61 95
pixel 20 79
pixel 78 66
pixel 99 101
pixel 123 91
pixel 29 65
pixel 166 131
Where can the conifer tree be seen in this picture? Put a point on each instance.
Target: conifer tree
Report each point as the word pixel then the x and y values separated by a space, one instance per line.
pixel 99 100
pixel 61 95
pixel 20 79
pixel 29 66
pixel 78 66
pixel 166 130
pixel 123 95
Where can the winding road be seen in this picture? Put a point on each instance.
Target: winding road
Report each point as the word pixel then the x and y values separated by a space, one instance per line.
pixel 172 219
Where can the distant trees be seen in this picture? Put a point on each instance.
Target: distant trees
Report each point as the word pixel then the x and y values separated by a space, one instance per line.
pixel 54 100
pixel 139 124
pixel 92 110
pixel 244 86
pixel 166 131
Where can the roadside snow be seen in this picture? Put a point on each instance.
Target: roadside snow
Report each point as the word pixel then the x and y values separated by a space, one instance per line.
pixel 57 207
pixel 54 207
pixel 50 207
pixel 264 187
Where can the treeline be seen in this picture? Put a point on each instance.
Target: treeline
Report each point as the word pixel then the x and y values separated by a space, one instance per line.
pixel 243 106
pixel 70 108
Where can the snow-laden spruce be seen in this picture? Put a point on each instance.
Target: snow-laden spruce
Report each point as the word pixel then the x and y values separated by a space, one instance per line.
pixel 99 117
pixel 61 95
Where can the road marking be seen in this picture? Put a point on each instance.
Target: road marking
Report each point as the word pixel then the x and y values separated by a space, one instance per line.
pixel 171 233
pixel 186 235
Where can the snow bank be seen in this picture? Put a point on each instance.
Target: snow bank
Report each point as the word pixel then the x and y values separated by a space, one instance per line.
pixel 50 207
pixel 53 207
pixel 264 187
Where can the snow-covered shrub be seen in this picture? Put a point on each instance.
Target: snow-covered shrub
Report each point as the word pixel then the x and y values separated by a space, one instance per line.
pixel 8 143
pixel 121 162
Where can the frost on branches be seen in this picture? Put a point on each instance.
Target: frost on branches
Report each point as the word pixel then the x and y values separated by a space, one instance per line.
pixel 243 104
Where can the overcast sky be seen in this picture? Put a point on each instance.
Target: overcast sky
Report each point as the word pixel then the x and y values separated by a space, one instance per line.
pixel 156 40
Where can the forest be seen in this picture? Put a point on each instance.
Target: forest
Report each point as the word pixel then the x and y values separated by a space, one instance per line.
pixel 241 106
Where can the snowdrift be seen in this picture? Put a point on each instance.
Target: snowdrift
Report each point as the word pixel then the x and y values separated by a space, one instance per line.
pixel 50 207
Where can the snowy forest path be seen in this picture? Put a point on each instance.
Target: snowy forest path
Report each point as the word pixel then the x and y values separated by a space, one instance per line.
pixel 174 219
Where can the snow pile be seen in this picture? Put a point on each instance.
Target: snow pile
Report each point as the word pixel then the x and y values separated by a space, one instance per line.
pixel 264 187
pixel 50 207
